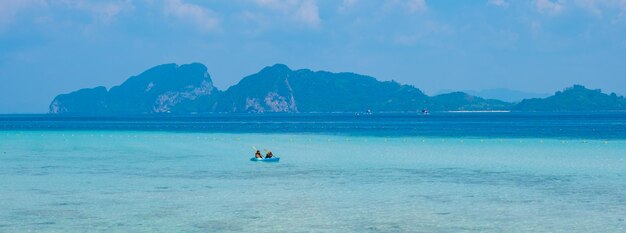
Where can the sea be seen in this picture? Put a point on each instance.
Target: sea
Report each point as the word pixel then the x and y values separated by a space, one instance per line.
pixel 443 172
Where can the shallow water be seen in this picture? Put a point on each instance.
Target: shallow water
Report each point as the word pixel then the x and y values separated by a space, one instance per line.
pixel 94 180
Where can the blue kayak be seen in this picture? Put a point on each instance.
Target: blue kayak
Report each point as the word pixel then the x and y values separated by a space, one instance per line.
pixel 273 159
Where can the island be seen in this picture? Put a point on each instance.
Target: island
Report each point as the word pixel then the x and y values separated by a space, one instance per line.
pixel 188 89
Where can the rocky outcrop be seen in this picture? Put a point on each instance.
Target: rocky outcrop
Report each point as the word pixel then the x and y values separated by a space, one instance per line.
pixel 166 88
pixel 168 100
pixel 187 89
pixel 266 91
pixel 84 101
pixel 279 89
pixel 575 98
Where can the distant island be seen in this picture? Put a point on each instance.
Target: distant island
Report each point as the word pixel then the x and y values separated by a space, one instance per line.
pixel 188 89
pixel 505 94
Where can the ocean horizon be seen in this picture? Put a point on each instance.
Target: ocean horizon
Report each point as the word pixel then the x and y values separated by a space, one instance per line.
pixel 373 116
pixel 444 172
pixel 600 125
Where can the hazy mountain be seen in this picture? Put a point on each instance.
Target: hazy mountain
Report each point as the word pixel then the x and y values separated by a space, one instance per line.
pixel 576 98
pixel 464 101
pixel 507 95
pixel 189 89
pixel 280 89
pixel 84 101
pixel 161 89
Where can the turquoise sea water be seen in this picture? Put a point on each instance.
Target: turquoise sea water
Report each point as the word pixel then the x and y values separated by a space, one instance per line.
pixel 94 179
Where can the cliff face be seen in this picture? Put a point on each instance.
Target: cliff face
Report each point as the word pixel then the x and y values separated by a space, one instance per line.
pixel 84 101
pixel 267 91
pixel 166 88
pixel 189 89
pixel 280 89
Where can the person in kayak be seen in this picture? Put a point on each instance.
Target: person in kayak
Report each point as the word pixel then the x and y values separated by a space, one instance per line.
pixel 269 155
pixel 258 154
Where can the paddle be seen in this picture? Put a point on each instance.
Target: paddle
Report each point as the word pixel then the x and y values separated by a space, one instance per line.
pixel 255 150
pixel 266 152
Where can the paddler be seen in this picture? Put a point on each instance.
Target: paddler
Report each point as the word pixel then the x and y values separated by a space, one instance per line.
pixel 258 154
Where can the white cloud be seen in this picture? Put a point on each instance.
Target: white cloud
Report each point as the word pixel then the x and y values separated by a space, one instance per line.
pixel 500 3
pixel 598 7
pixel 308 13
pixel 590 6
pixel 103 12
pixel 282 5
pixel 549 7
pixel 416 5
pixel 304 11
pixel 429 32
pixel 347 4
pixel 204 18
pixel 411 6
pixel 9 9
pixel 536 28
pixel 268 2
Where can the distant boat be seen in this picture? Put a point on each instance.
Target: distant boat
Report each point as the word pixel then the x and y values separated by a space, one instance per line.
pixel 368 112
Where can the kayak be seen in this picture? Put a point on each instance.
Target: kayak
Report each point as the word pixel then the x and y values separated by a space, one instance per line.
pixel 273 159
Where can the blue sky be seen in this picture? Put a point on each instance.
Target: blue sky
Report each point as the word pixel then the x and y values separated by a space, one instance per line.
pixel 50 47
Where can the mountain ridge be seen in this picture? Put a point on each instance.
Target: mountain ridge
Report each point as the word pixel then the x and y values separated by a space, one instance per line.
pixel 188 89
pixel 575 98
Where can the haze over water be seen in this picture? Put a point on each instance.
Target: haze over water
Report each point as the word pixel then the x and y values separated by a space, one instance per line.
pixel 184 166
pixel 465 172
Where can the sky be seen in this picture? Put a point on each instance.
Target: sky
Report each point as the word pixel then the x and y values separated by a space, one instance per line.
pixel 49 47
